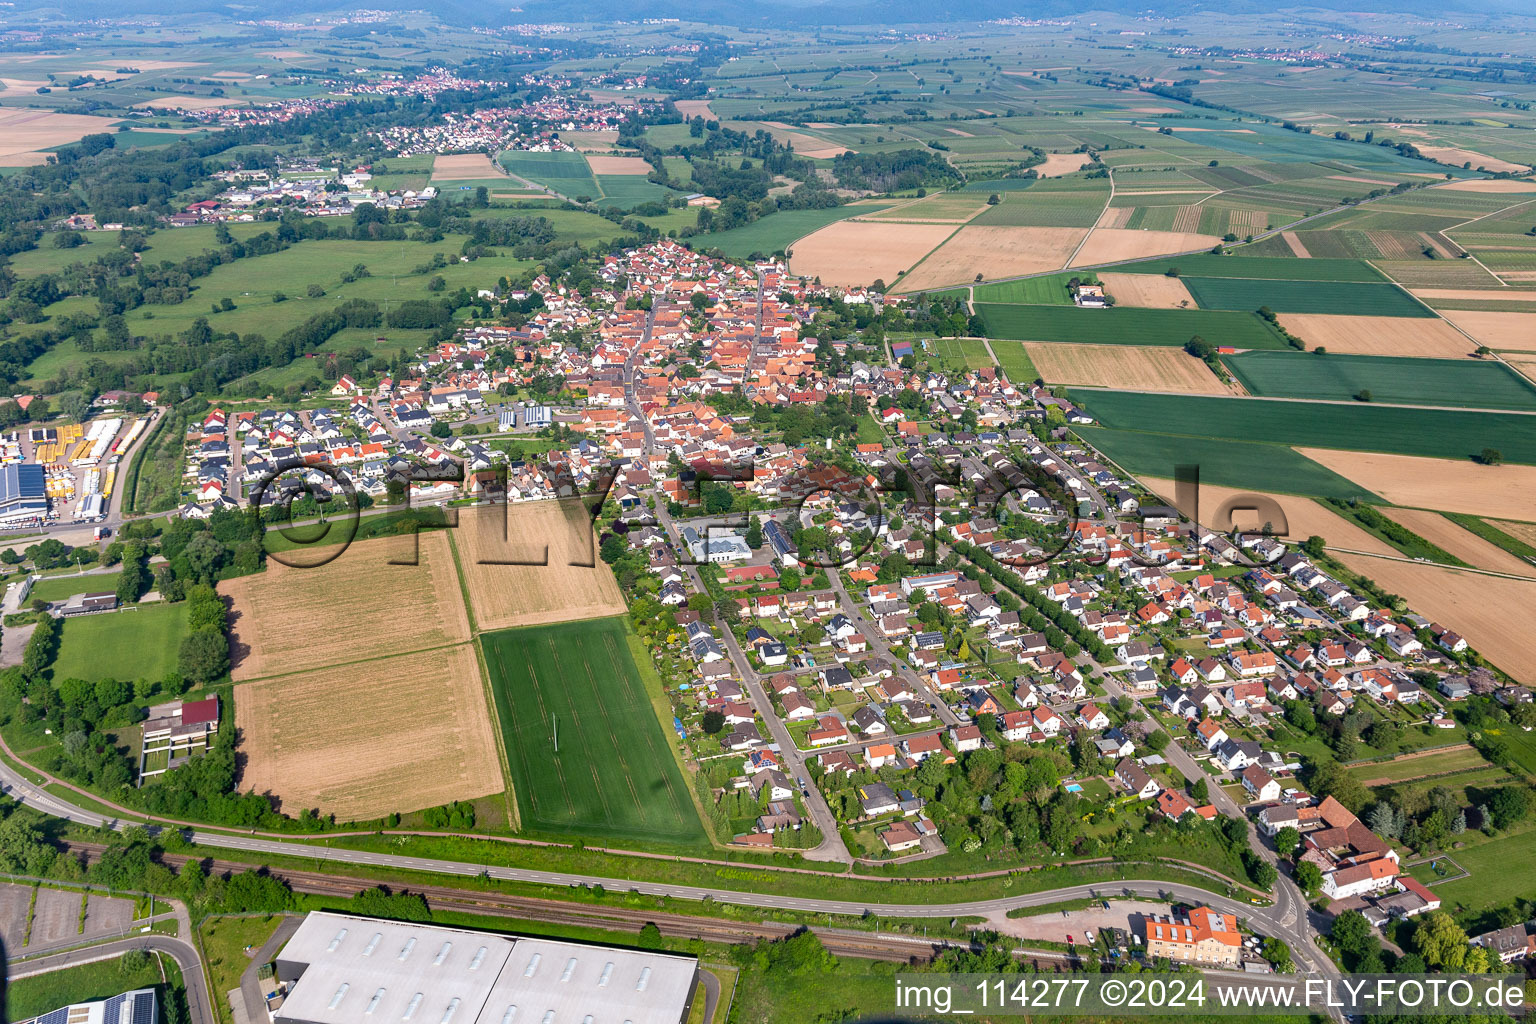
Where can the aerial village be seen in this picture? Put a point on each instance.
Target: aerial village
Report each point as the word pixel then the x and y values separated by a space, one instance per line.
pixel 835 647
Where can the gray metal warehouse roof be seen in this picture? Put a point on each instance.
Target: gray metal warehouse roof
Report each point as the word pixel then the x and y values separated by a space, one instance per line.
pixel 360 969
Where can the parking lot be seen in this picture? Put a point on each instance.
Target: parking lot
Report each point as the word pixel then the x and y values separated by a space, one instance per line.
pixel 56 918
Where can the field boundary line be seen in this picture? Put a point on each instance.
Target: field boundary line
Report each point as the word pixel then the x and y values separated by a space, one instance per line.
pixel 1110 173
pixel 514 814
pixel 908 272
pixel 658 703
pixel 355 661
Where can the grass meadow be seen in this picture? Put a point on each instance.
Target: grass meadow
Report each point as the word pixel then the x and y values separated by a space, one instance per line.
pixel 613 774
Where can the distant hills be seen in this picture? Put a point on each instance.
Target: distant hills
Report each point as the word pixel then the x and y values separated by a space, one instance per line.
pixel 803 13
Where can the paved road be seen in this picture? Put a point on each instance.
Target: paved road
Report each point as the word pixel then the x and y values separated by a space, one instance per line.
pixel 28 794
pixel 179 950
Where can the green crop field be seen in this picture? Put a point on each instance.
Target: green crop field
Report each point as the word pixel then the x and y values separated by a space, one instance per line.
pixel 1124 325
pixel 774 232
pixel 1346 298
pixel 630 190
pixel 1272 268
pixel 1460 382
pixel 613 773
pixel 1050 290
pixel 566 173
pixel 1015 362
pixel 1251 466
pixel 143 641
pixel 1436 433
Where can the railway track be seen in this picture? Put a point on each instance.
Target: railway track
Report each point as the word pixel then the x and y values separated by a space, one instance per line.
pixel 840 941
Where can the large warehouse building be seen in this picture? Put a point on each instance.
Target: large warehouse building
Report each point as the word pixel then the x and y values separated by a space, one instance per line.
pixel 23 494
pixel 339 968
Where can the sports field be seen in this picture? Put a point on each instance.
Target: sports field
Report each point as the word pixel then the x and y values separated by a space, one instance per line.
pixel 1466 383
pixel 1336 297
pixel 585 749
pixel 139 642
pixel 1440 433
pixel 1126 326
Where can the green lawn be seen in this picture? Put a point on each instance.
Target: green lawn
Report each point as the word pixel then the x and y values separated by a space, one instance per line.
pixel 1501 871
pixel 1460 382
pixel 776 231
pixel 1338 297
pixel 57 588
pixel 40 993
pixel 138 642
pixel 1435 433
pixel 613 773
pixel 1251 466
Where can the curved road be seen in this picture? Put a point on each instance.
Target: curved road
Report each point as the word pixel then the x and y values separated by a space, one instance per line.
pixel 1282 921
pixel 182 952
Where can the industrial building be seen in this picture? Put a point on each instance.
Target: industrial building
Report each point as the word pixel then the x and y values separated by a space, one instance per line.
pixel 136 1007
pixel 338 967
pixel 23 498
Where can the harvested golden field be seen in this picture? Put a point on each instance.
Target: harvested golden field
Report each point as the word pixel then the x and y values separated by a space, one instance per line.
pixel 1379 335
pixel 1492 612
pixel 363 741
pixel 1518 530
pixel 696 108
pixel 503 595
pixel 465 167
pixel 1479 161
pixel 1479 294
pixel 1061 163
pixel 1303 517
pixel 1489 185
pixel 853 252
pixel 1107 245
pixel 191 102
pixel 1115 217
pixel 785 134
pixel 1298 247
pixel 993 252
pixel 618 165
pixel 1147 290
pixel 1462 543
pixel 356 607
pixel 25 130
pixel 1122 367
pixel 1495 329
pixel 1449 485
